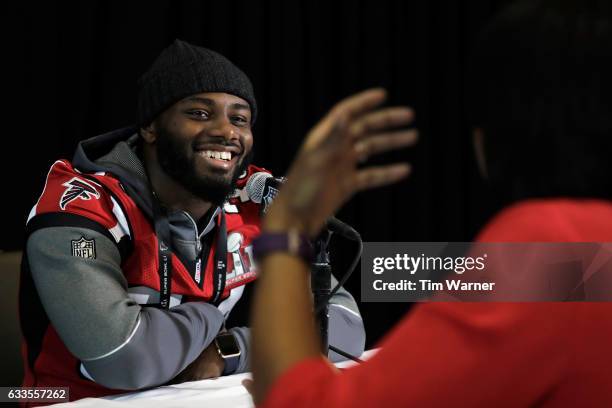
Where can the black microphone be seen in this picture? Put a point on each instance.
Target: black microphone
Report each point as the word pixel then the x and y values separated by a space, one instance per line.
pixel 262 188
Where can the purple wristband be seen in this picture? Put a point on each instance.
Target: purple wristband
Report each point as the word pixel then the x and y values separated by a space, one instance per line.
pixel 291 242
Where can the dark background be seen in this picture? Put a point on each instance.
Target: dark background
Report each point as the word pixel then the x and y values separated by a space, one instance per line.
pixel 73 68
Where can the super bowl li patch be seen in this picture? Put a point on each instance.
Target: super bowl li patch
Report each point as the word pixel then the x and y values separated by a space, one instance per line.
pixel 84 248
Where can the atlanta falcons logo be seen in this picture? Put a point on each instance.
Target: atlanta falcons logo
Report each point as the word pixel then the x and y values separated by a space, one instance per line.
pixel 77 188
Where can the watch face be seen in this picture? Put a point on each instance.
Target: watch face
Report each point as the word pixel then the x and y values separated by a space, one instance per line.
pixel 228 346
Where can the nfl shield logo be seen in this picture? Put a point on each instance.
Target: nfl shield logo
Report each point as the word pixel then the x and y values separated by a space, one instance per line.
pixel 84 248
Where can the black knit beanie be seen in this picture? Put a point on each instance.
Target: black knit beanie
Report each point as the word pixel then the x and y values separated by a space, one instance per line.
pixel 183 69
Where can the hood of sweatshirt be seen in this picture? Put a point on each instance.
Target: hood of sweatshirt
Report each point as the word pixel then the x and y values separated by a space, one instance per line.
pixel 116 152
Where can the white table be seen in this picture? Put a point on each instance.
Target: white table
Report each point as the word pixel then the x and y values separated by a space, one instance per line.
pixel 224 392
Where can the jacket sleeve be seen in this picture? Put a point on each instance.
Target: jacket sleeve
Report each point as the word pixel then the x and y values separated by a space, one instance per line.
pixel 120 344
pixel 243 336
pixel 346 330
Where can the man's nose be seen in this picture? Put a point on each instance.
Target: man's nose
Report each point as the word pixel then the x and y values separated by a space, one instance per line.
pixel 222 127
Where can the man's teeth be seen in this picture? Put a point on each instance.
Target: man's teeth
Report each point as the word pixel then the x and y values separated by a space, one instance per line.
pixel 218 155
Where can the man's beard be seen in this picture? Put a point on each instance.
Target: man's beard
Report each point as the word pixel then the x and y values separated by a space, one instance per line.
pixel 182 168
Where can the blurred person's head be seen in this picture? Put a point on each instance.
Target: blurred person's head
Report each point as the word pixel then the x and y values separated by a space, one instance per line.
pixel 541 99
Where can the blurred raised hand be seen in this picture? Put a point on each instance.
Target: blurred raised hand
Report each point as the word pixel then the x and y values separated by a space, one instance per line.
pixel 325 172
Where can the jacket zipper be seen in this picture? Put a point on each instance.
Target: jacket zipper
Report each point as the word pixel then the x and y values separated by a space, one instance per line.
pixel 197 237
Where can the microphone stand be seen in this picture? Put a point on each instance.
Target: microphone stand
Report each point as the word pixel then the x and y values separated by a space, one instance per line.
pixel 321 285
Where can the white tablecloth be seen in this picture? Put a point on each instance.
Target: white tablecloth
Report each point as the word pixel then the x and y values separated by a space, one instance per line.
pixel 224 392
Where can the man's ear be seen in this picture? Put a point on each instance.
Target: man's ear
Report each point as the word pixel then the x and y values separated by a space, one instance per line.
pixel 149 133
pixel 478 141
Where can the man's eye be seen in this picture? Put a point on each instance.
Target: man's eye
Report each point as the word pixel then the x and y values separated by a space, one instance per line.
pixel 199 114
pixel 239 120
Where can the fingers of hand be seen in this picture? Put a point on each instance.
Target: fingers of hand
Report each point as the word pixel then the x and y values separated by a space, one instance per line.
pixel 360 103
pixel 384 142
pixel 345 112
pixel 331 127
pixel 382 120
pixel 372 177
pixel 354 113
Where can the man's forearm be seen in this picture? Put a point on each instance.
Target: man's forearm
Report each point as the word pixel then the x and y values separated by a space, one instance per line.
pixel 120 344
pixel 163 344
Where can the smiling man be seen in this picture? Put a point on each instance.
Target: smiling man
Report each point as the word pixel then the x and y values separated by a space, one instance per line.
pixel 140 247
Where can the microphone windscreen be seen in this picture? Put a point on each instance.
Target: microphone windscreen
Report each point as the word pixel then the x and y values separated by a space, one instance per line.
pixel 256 186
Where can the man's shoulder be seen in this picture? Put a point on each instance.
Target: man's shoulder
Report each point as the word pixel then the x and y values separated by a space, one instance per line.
pixel 68 191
